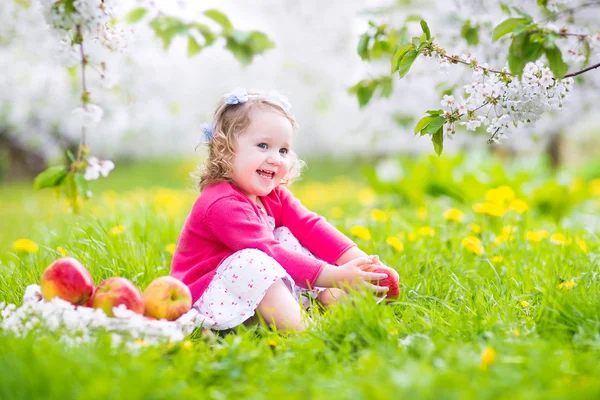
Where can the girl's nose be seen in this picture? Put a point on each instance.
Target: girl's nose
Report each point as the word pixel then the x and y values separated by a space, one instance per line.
pixel 274 159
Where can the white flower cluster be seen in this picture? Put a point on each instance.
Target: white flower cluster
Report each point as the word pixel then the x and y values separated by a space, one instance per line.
pixel 97 167
pixel 93 18
pixel 497 100
pixel 76 325
pixel 87 14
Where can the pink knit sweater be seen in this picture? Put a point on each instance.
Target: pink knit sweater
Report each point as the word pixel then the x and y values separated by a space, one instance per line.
pixel 224 220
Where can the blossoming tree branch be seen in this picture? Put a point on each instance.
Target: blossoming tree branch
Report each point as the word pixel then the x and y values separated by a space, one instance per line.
pixel 535 80
pixel 79 23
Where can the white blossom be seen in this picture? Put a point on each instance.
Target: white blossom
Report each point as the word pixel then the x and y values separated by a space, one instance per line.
pixel 77 324
pixel 88 115
pixel 97 167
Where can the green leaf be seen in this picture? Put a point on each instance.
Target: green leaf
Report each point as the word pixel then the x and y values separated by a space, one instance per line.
pixel 209 36
pixel 507 26
pixel 71 191
pixel 136 15
pixel 423 122
pixel 425 28
pixel 193 47
pixel 386 86
pixel 413 18
pixel 558 67
pixel 220 19
pixel 434 125
pixel 406 62
pixel 436 112
pixel 438 141
pixel 82 186
pixel 51 177
pixel 470 33
pixel 363 46
pixel 523 14
pixel 416 41
pixel 516 59
pixel 398 56
pixel 365 93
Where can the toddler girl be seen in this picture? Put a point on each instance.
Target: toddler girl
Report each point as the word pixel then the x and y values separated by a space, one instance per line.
pixel 248 244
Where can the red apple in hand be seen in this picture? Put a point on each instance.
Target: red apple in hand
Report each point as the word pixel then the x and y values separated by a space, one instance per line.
pixel 391 281
pixel 167 297
pixel 67 279
pixel 113 292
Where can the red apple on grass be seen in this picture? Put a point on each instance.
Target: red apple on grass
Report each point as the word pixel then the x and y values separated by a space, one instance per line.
pixel 113 292
pixel 167 297
pixel 391 281
pixel 67 278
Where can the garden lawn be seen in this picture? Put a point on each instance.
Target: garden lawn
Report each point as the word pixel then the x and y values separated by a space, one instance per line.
pixel 500 289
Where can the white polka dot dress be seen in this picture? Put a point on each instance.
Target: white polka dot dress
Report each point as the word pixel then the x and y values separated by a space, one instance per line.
pixel 242 280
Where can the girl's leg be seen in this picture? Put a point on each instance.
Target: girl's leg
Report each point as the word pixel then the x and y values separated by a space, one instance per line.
pixel 331 296
pixel 280 308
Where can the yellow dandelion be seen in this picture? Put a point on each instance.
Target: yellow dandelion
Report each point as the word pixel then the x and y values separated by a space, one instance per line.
pixel 26 246
pixel 594 186
pixel 187 344
pixel 488 357
pixel 503 237
pixel 367 196
pixel 525 304
pixel 500 194
pixel 489 208
pixel 475 228
pixel 453 214
pixel 360 232
pixel 171 248
pixel 140 342
pixel 272 343
pixel 515 332
pixel 421 213
pixel 168 201
pixel 582 245
pixel 116 230
pixel 576 185
pixel 519 206
pixel 336 212
pixel 379 215
pixel 497 259
pixel 508 230
pixel 110 197
pixel 566 284
pixel 61 251
pixel 558 238
pixel 395 243
pixel 426 231
pixel 412 236
pixel 534 236
pixel 473 244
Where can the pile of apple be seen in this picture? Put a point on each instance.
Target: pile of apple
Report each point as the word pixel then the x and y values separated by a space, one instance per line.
pixel 66 278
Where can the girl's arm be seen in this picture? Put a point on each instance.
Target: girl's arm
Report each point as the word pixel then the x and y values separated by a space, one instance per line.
pixel 349 255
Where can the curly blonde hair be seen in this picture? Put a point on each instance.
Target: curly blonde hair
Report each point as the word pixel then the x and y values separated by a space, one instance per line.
pixel 229 121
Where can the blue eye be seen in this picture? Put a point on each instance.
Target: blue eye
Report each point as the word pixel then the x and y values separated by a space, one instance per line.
pixel 283 151
pixel 266 146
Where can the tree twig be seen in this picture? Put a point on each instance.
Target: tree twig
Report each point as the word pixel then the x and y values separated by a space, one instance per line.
pixel 572 74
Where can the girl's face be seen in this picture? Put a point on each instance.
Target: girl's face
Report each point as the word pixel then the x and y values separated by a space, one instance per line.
pixel 262 156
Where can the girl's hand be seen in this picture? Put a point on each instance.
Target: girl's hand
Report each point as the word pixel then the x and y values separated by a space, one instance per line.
pixel 350 275
pixel 377 261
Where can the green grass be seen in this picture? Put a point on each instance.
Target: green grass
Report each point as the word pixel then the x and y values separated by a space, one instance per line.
pixel 428 344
